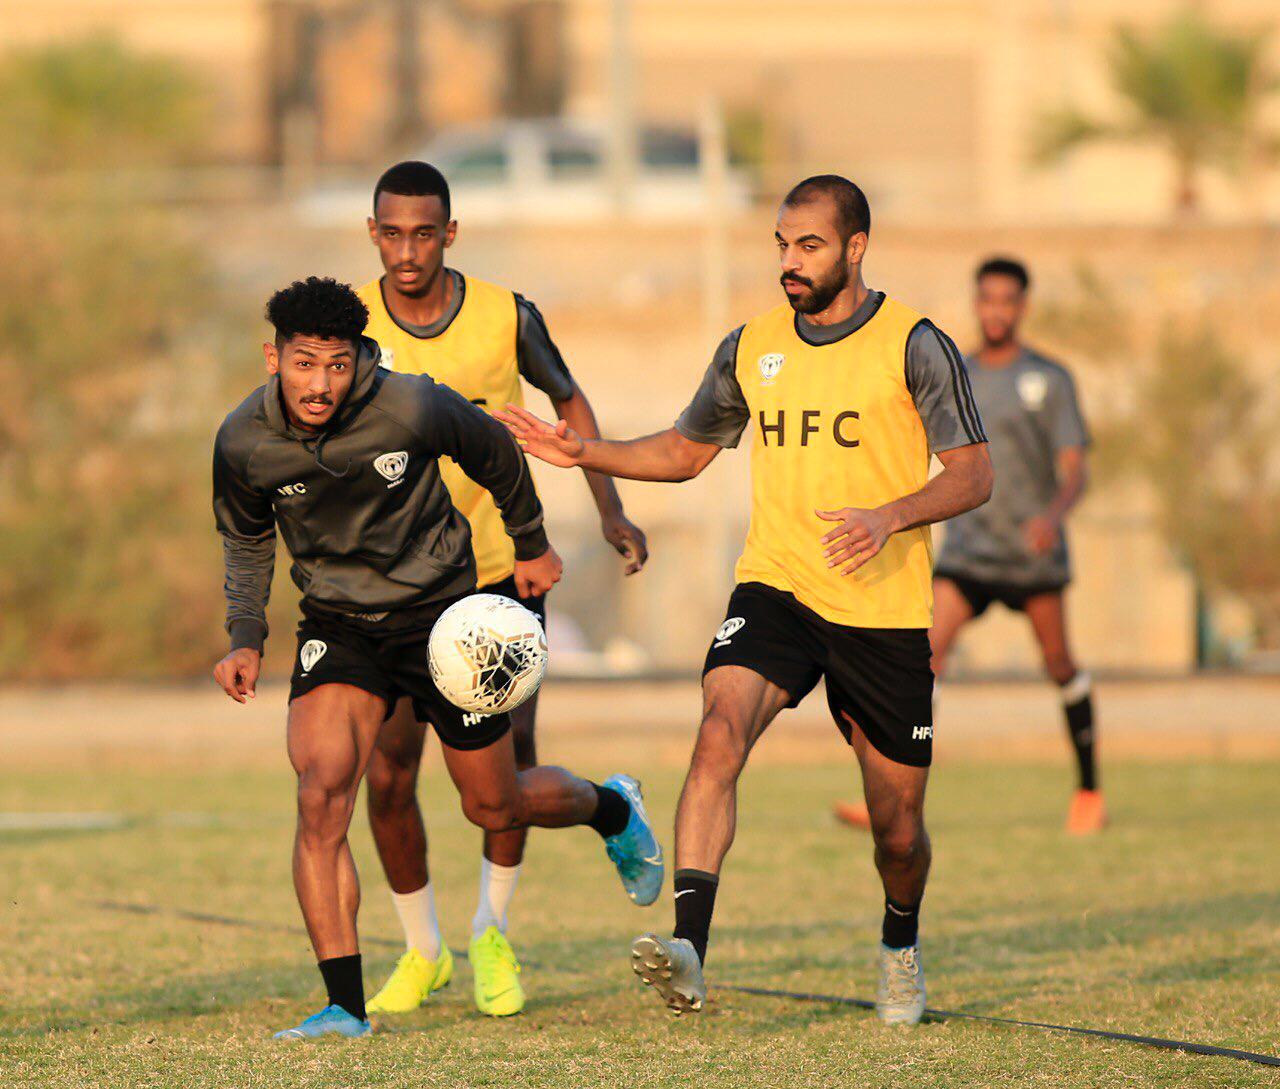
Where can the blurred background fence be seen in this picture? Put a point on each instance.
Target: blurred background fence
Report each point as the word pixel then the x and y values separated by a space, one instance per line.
pixel 164 166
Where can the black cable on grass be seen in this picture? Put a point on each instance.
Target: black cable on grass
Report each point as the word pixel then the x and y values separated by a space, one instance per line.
pixel 943 1015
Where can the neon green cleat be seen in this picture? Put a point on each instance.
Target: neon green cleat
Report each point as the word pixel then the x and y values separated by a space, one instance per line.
pixel 412 982
pixel 497 972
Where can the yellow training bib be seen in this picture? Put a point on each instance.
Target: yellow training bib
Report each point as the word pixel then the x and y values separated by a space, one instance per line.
pixel 835 426
pixel 476 355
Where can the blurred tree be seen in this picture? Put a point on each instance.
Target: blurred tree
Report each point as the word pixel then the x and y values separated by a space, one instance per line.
pixel 1205 436
pixel 112 332
pixel 92 103
pixel 1185 418
pixel 1189 88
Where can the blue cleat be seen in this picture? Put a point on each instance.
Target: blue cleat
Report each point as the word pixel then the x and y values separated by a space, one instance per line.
pixel 635 850
pixel 331 1019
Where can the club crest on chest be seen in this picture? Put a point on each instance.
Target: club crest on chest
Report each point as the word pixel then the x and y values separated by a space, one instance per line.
pixel 770 364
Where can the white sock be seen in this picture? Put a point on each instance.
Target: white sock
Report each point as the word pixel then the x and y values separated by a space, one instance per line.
pixel 497 887
pixel 417 911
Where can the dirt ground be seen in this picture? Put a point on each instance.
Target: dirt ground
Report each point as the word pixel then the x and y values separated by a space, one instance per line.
pixel 1211 717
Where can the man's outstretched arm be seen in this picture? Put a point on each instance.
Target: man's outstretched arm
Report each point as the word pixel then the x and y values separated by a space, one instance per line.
pixel 668 455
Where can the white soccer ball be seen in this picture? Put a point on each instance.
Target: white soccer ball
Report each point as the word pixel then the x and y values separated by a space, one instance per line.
pixel 487 654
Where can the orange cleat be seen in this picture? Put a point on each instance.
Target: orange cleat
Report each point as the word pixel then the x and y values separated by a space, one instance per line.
pixel 854 814
pixel 1088 813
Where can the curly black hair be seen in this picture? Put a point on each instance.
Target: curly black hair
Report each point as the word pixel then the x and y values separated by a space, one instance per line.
pixel 317 307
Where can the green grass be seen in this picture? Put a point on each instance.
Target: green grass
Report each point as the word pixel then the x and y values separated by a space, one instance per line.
pixel 1168 925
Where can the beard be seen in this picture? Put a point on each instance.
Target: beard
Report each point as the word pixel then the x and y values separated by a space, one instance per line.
pixel 821 293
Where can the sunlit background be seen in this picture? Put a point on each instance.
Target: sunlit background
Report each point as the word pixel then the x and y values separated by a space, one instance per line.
pixel 164 166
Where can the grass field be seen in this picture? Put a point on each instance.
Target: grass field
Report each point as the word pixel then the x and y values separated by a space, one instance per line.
pixel 1168 925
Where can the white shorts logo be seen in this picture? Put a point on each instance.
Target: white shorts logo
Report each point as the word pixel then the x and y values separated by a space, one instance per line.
pixel 1033 388
pixel 472 718
pixel 392 466
pixel 728 630
pixel 312 651
pixel 922 733
pixel 770 365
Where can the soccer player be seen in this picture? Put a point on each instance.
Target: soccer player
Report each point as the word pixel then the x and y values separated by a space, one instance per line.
pixel 480 340
pixel 1014 549
pixel 341 457
pixel 850 392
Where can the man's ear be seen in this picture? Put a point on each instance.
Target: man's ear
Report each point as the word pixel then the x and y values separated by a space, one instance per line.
pixel 373 230
pixel 450 233
pixel 272 356
pixel 857 248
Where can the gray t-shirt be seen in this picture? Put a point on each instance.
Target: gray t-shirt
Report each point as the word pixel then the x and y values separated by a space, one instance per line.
pixel 935 376
pixel 1031 413
pixel 539 360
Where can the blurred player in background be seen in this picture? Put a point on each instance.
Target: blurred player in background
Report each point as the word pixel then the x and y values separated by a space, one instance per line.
pixel 851 392
pixel 342 459
pixel 481 340
pixel 1013 550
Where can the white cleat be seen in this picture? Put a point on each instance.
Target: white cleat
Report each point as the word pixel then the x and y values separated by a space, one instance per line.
pixel 900 997
pixel 672 968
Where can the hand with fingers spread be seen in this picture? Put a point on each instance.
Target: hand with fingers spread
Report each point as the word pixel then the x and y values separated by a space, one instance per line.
pixel 557 444
pixel 237 674
pixel 860 535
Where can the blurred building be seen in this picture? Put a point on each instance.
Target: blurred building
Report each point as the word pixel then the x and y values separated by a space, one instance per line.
pixel 932 100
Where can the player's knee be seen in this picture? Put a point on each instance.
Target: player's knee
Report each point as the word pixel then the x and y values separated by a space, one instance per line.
pixel 324 809
pixel 391 786
pixel 721 751
pixel 491 814
pixel 902 843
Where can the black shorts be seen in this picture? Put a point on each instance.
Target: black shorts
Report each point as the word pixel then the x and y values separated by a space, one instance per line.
pixel 507 588
pixel 877 678
pixel 980 593
pixel 389 665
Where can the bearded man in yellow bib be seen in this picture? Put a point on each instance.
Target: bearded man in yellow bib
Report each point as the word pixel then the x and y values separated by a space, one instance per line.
pixel 481 340
pixel 851 392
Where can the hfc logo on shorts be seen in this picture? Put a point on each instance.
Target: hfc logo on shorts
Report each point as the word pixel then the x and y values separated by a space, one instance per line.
pixel 728 630
pixel 312 651
pixel 922 733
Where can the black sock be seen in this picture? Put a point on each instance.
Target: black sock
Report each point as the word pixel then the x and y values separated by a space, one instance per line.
pixel 695 901
pixel 344 980
pixel 1080 728
pixel 901 924
pixel 612 811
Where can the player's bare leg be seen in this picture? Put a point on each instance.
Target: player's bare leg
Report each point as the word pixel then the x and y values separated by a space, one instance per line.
pixel 951 612
pixel 495 969
pixel 1047 614
pixel 895 799
pixel 400 835
pixel 498 797
pixel 738 705
pixel 331 733
pixel 394 815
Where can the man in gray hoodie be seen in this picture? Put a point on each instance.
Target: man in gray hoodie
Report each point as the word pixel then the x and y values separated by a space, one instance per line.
pixel 340 457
